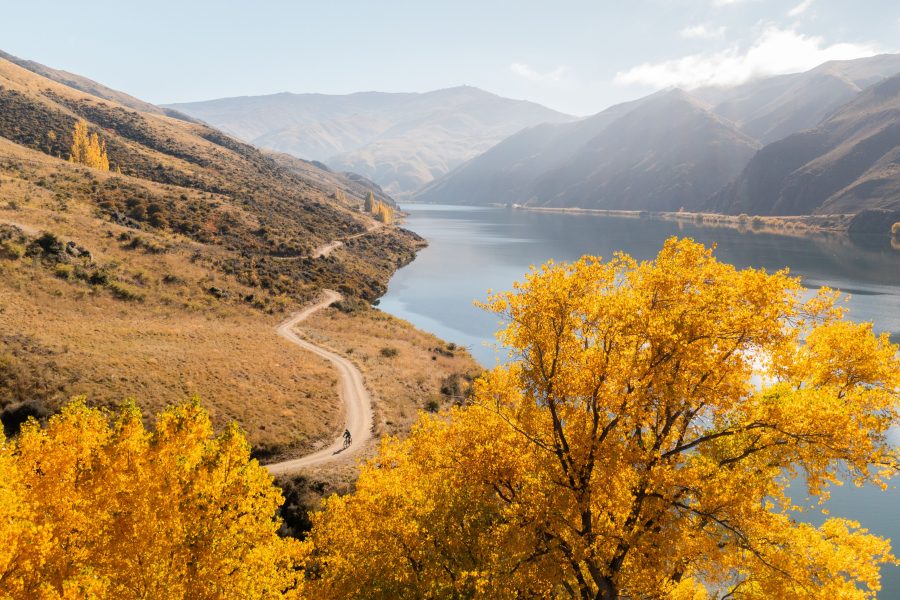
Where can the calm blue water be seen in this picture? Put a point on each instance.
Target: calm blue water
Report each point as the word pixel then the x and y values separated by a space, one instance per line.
pixel 472 250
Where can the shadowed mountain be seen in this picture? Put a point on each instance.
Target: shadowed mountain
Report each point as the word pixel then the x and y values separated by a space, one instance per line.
pixel 849 162
pixel 508 171
pixel 400 141
pixel 663 152
pixel 670 150
pixel 773 108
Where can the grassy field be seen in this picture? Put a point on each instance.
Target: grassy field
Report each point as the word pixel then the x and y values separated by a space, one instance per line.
pixel 405 368
pixel 408 372
pixel 166 340
pixel 164 279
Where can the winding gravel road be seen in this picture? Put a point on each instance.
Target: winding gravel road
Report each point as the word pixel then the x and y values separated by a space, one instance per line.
pixel 352 391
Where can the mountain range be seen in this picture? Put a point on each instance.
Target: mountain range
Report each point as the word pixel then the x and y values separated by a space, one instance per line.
pixel 819 141
pixel 399 140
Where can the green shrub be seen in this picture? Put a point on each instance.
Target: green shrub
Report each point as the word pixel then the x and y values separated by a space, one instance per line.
pixel 98 277
pixel 11 250
pixel 48 244
pixel 389 352
pixel 432 405
pixel 64 270
pixel 123 291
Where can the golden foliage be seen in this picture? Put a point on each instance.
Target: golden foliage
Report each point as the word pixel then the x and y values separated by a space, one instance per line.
pixel 88 149
pixel 93 509
pixel 384 213
pixel 640 445
pixel 381 211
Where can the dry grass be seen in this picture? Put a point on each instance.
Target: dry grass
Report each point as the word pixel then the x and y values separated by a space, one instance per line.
pixel 404 367
pixel 179 341
pixel 169 325
pixel 405 370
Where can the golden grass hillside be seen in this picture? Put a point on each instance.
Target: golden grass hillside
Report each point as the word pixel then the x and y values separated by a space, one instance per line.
pixel 165 277
pixel 176 176
pixel 406 370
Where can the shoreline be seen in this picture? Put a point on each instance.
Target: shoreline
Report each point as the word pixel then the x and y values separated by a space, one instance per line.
pixel 798 225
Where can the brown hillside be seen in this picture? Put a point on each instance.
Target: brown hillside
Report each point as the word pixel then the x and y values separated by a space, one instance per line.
pixel 166 280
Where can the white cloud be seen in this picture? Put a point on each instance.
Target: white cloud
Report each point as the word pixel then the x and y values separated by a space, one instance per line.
pixel 800 8
pixel 729 2
pixel 702 32
pixel 557 75
pixel 775 51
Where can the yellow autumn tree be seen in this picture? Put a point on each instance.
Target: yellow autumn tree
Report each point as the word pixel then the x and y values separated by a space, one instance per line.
pixel 93 508
pixel 640 444
pixel 370 203
pixel 88 149
pixel 384 213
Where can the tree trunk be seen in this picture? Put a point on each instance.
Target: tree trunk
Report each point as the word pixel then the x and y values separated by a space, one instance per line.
pixel 606 590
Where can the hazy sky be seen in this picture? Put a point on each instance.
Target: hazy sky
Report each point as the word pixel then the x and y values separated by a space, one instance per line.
pixel 575 56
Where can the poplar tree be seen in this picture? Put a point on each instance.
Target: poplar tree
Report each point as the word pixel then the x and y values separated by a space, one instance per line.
pixel 96 506
pixel 641 444
pixel 88 149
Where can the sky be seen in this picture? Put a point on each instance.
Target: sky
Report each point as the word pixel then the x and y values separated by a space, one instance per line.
pixel 574 56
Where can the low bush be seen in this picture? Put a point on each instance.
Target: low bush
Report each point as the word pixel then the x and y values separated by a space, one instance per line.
pixel 64 270
pixel 123 291
pixel 15 415
pixel 388 352
pixel 11 250
pixel 98 277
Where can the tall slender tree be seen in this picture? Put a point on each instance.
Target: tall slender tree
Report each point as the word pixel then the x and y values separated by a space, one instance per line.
pixel 88 149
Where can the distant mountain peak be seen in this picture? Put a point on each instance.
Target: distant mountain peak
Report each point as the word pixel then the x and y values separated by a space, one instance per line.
pixel 401 140
pixel 678 148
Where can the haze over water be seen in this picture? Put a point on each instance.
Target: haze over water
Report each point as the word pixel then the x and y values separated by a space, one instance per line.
pixel 472 250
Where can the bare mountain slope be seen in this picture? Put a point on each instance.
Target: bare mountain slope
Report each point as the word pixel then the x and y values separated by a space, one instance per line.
pixel 89 86
pixel 672 149
pixel 848 163
pixel 773 108
pixel 660 153
pixel 506 173
pixel 400 141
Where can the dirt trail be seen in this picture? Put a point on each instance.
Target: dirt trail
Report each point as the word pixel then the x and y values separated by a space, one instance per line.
pixel 351 388
pixel 326 249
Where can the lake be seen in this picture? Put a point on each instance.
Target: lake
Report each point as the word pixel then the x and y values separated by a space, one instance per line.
pixel 472 250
